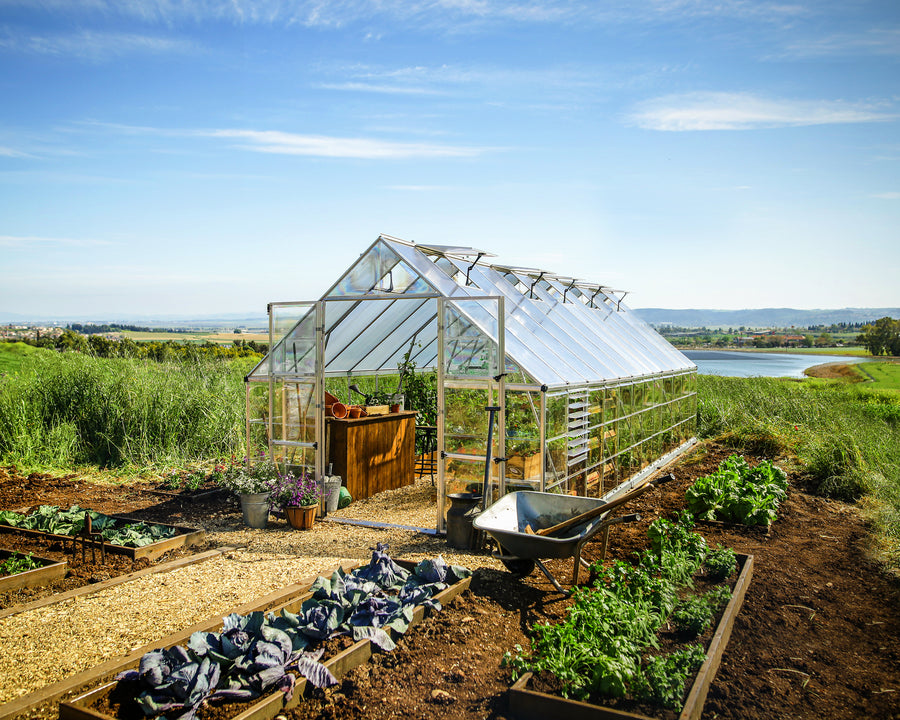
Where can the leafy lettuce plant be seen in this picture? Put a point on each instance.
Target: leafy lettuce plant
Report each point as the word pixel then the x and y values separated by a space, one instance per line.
pixel 51 519
pixel 735 492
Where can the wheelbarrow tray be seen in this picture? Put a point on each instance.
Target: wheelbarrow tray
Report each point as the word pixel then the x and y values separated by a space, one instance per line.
pixel 506 519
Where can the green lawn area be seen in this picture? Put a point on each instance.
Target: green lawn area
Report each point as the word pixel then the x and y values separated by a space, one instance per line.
pixel 197 337
pixel 14 355
pixel 851 350
pixel 884 375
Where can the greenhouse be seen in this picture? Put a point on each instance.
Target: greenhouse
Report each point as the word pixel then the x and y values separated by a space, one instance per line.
pixel 575 392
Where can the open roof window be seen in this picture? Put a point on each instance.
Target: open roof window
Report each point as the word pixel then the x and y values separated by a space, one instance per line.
pixel 456 261
pixel 522 279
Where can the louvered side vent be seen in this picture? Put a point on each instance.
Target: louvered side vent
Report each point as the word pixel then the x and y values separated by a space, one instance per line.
pixel 578 428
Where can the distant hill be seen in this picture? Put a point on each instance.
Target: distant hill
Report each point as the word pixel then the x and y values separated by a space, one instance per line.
pixel 751 318
pixel 762 317
pixel 193 322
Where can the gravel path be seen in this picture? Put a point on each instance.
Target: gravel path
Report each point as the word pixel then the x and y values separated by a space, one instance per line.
pixel 42 646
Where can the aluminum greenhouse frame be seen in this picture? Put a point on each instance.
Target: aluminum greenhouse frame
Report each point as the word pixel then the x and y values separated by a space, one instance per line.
pixel 591 399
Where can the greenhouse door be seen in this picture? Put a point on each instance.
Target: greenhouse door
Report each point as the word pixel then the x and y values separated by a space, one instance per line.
pixel 296 388
pixel 470 372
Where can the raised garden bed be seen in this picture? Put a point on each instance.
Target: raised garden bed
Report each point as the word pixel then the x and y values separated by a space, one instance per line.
pixel 49 571
pixel 100 703
pixel 528 704
pixel 184 537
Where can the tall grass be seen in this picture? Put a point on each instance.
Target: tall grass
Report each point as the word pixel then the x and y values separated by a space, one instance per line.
pixel 845 438
pixel 65 410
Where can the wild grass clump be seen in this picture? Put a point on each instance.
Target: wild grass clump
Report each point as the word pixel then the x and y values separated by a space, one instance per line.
pixel 69 409
pixel 846 438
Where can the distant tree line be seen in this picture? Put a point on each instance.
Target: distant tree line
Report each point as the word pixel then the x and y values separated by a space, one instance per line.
pixel 92 329
pixel 881 337
pixel 842 327
pixel 101 346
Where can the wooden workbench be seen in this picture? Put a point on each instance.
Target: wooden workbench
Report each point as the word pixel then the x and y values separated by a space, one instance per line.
pixel 373 453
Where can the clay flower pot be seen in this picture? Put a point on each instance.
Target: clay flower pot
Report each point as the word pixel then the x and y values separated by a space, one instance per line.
pixel 355 411
pixel 338 410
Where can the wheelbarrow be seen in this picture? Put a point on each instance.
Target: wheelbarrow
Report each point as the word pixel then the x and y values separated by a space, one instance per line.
pixel 517 521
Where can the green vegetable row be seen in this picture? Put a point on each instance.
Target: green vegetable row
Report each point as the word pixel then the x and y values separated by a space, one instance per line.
pixel 15 564
pixel 51 519
pixel 598 649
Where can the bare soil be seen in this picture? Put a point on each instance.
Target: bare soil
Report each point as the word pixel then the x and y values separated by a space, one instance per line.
pixel 818 635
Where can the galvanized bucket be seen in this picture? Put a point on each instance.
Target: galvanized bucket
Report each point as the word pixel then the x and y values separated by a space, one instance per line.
pixel 255 508
pixel 331 491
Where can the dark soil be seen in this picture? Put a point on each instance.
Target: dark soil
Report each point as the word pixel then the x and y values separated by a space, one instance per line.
pixel 143 500
pixel 818 635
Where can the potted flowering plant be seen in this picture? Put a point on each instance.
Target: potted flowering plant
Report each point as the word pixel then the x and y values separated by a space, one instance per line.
pixel 298 495
pixel 254 486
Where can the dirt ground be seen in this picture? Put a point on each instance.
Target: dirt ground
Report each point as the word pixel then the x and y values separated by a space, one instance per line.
pixel 818 635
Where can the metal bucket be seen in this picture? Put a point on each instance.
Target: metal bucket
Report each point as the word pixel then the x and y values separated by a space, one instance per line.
pixel 255 508
pixel 331 492
pixel 461 533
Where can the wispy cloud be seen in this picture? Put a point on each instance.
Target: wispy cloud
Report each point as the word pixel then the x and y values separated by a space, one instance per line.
pixel 19 242
pixel 93 46
pixel 887 196
pixel 421 188
pixel 13 153
pixel 284 143
pixel 744 111
pixel 380 88
pixel 875 41
pixel 448 15
pixel 561 86
pixel 278 142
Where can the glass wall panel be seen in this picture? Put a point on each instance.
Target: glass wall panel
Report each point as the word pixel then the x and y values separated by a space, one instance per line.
pixel 469 351
pixel 557 415
pixel 466 421
pixel 523 438
pixel 295 352
pixel 555 465
pixel 257 418
pixel 370 272
pixel 463 475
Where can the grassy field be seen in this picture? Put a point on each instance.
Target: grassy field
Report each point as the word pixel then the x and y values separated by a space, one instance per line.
pixel 195 337
pixel 844 439
pixel 881 375
pixel 850 351
pixel 14 355
pixel 66 410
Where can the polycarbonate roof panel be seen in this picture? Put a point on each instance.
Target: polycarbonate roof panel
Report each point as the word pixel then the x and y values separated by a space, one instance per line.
pixel 553 342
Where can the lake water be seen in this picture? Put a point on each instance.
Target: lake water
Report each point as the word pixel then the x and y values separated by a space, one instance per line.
pixel 755 364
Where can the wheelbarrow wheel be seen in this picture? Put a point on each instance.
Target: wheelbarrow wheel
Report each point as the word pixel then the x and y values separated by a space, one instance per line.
pixel 520 567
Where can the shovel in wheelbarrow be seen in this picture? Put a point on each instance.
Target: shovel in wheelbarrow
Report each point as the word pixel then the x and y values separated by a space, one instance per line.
pixel 560 526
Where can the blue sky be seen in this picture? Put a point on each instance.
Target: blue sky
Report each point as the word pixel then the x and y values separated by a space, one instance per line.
pixel 164 156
